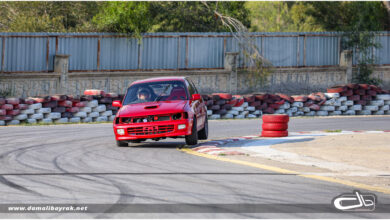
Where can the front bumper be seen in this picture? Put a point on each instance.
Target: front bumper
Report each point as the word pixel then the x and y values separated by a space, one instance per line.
pixel 150 130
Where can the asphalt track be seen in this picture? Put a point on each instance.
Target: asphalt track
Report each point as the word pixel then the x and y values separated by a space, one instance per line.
pixel 80 164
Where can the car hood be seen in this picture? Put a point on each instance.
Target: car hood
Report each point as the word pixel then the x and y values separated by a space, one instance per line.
pixel 152 108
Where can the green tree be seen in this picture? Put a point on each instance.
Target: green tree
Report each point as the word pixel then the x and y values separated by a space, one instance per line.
pixel 138 17
pixel 302 21
pixel 280 17
pixel 195 16
pixel 45 16
pixel 349 16
pixel 124 17
pixel 358 22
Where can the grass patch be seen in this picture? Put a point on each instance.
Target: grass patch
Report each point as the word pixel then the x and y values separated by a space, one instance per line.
pixel 333 131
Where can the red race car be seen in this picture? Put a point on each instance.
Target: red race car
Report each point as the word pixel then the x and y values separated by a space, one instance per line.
pixel 158 108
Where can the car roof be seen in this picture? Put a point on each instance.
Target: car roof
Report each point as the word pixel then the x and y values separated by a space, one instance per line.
pixel 158 79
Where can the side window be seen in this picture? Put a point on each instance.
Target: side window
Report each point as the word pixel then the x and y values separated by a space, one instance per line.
pixel 192 85
pixel 191 89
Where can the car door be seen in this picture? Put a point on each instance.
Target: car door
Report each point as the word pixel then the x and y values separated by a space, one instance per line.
pixel 198 106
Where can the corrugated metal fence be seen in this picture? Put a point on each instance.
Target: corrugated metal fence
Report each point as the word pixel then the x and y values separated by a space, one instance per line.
pixel 34 52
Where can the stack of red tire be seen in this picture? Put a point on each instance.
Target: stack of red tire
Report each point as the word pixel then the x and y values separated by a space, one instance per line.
pixel 275 125
pixel 358 93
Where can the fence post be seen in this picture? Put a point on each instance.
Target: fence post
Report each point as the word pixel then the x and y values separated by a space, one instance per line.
pixel 230 64
pixel 346 62
pixel 61 65
pixel 47 53
pixel 3 54
pixel 98 54
pixel 186 52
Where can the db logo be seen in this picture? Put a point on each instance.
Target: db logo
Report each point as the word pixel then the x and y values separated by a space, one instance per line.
pixel 355 201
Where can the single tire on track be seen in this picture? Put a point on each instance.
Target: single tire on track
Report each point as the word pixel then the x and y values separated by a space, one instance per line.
pixel 274 133
pixel 275 126
pixel 276 118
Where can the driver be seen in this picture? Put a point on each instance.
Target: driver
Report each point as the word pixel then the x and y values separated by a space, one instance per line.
pixel 144 95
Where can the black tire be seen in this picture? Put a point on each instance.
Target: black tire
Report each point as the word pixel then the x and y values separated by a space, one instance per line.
pixel 192 139
pixel 204 133
pixel 122 144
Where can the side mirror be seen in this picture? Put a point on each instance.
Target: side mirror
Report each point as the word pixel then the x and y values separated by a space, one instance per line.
pixel 196 97
pixel 117 103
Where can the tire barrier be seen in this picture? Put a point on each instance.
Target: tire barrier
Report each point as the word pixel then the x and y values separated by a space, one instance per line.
pixel 95 105
pixel 275 125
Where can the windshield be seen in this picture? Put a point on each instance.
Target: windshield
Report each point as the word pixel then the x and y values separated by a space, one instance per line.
pixel 156 91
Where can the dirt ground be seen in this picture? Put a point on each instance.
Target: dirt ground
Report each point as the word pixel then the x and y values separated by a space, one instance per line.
pixel 369 153
pixel 365 150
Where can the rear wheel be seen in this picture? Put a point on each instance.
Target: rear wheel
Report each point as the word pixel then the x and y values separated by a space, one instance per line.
pixel 122 144
pixel 192 139
pixel 204 133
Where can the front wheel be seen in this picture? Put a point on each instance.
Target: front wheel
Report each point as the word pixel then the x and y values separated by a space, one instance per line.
pixel 204 133
pixel 122 144
pixel 192 139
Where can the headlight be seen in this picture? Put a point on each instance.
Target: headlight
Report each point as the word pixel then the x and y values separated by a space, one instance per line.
pixel 182 126
pixel 120 131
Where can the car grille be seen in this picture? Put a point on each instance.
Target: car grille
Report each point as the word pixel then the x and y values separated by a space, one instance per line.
pixel 149 118
pixel 149 130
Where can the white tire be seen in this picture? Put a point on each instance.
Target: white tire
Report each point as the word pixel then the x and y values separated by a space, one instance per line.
pixel 322 113
pixel 13 122
pixel 61 120
pixel 86 109
pixel 342 108
pixel 332 95
pixel 75 120
pixel 371 108
pixel 21 117
pixel 215 116
pixel 80 115
pixel 327 108
pixel 43 110
pixel 383 97
pixel 297 104
pixel 35 106
pixel 92 104
pixel 349 112
pixel 36 116
pixel 29 111
pixel 31 121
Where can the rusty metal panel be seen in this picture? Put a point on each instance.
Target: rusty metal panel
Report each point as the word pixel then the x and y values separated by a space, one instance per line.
pixel 382 54
pixel 82 51
pixel 205 52
pixel 52 52
pixel 322 51
pixel 24 54
pixel 281 51
pixel 159 53
pixel 119 54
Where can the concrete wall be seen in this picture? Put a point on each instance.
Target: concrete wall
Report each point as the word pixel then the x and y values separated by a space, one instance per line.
pixel 291 80
pixel 24 85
